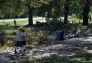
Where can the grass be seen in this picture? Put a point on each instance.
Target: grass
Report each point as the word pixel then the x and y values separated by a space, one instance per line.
pixel 9 27
pixel 12 23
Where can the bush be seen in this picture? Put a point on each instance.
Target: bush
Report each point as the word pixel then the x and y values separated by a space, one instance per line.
pixel 40 38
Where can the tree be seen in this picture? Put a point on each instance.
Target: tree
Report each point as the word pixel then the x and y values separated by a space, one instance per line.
pixel 52 10
pixel 11 8
pixel 30 11
pixel 3 6
pixel 86 12
pixel 56 9
pixel 76 8
pixel 66 10
pixel 31 4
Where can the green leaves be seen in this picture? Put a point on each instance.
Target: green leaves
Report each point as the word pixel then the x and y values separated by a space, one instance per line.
pixel 77 7
pixel 36 3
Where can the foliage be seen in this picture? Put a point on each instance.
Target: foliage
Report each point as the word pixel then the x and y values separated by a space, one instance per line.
pixel 53 25
pixel 77 7
pixel 41 39
pixel 11 8
pixel 36 3
pixel 17 7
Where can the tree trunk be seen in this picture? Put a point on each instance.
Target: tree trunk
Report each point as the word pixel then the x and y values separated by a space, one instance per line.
pixel 30 19
pixel 66 11
pixel 66 17
pixel 85 13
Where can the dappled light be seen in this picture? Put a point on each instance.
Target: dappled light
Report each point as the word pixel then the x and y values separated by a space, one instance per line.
pixel 45 31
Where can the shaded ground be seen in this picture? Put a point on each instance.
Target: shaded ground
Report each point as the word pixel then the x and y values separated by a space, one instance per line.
pixel 75 47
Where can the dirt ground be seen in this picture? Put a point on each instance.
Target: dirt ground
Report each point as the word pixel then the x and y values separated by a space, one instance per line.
pixel 67 48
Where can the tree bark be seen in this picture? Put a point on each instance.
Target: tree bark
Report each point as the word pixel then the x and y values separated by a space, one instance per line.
pixel 66 11
pixel 86 12
pixel 30 18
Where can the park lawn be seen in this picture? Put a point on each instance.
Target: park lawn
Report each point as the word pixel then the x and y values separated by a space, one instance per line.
pixel 9 26
pixel 12 23
pixel 74 19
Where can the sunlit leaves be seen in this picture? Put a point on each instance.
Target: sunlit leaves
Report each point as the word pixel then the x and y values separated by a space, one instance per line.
pixel 39 3
pixel 36 3
pixel 77 7
pixel 45 1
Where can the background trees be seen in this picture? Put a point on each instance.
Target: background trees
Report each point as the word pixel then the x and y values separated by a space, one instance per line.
pixel 31 4
pixel 48 8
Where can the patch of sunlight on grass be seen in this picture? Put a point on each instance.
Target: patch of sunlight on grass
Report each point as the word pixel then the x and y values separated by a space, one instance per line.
pixel 22 22
pixel 3 48
pixel 12 23
pixel 11 31
pixel 74 19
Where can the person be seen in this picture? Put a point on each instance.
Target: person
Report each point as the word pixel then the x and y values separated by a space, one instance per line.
pixel 60 35
pixel 20 39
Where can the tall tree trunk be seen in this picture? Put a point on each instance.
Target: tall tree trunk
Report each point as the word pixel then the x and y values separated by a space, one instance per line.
pixel 30 19
pixel 86 12
pixel 66 11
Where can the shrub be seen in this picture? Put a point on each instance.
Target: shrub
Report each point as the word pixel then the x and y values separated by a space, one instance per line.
pixel 41 39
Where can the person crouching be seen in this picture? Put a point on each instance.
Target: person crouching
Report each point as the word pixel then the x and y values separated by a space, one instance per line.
pixel 20 40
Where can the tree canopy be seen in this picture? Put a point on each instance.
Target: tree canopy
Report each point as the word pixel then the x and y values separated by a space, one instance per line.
pixel 50 8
